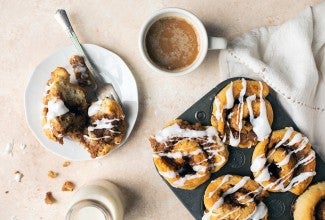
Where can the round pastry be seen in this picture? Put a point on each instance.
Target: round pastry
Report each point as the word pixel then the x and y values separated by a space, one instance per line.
pixel 241 114
pixel 107 127
pixel 234 197
pixel 284 162
pixel 185 154
pixel 311 204
pixel 65 107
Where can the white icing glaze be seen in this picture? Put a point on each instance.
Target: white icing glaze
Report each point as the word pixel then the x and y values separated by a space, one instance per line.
pixel 229 97
pixel 287 135
pixel 223 181
pixel 94 108
pixel 285 160
pixel 296 139
pixel 217 112
pixel 243 90
pixel 176 131
pixel 103 123
pixel 56 108
pixel 259 213
pixel 181 181
pixel 261 126
pixel 168 174
pixel 258 163
pixel 263 176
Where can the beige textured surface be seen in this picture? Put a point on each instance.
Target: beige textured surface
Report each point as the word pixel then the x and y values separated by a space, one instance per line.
pixel 29 33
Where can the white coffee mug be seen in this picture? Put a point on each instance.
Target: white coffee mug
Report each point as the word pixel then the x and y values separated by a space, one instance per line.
pixel 205 42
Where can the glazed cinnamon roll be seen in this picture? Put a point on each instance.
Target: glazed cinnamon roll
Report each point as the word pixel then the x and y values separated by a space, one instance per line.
pixel 284 162
pixel 234 197
pixel 241 114
pixel 107 127
pixel 311 204
pixel 185 154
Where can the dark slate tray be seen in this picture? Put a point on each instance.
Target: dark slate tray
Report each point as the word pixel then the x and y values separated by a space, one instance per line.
pixel 239 161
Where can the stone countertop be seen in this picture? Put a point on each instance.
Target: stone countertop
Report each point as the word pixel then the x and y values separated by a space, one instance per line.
pixel 29 33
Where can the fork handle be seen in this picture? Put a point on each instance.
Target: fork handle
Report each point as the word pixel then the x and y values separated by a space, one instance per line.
pixel 62 18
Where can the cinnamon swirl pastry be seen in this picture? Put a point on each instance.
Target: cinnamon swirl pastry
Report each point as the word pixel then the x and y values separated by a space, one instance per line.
pixel 185 154
pixel 107 127
pixel 241 114
pixel 65 107
pixel 284 162
pixel 234 197
pixel 311 204
pixel 81 71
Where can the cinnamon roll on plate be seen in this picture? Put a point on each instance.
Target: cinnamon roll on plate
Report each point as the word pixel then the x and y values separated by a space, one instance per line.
pixel 186 155
pixel 241 114
pixel 284 162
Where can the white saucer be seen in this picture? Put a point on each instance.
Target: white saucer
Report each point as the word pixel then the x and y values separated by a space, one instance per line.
pixel 116 72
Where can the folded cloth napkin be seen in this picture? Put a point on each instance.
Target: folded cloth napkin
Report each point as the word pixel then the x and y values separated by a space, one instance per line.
pixel 290 58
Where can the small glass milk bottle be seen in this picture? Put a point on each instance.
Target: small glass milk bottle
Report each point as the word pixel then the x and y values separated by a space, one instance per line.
pixel 98 200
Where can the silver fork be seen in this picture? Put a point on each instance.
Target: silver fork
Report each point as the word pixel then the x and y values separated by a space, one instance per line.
pixel 101 88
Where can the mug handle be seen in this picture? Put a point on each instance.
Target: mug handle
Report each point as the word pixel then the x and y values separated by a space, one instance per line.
pixel 216 43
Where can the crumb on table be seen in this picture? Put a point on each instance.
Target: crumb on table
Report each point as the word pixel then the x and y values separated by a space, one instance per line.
pixel 68 186
pixel 52 174
pixel 66 163
pixel 49 199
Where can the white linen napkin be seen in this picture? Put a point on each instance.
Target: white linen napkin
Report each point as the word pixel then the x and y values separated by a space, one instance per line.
pixel 290 58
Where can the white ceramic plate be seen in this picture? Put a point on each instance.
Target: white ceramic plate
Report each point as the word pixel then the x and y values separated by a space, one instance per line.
pixel 112 68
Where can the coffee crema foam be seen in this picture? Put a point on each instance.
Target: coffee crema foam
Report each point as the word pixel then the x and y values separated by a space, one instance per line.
pixel 172 43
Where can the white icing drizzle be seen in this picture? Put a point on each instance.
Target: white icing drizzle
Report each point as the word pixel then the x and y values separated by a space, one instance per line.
pixel 56 108
pixel 229 97
pixel 176 131
pixel 181 181
pixel 258 163
pixel 168 174
pixel 263 176
pixel 94 108
pixel 103 123
pixel 255 192
pixel 296 139
pixel 259 212
pixel 217 112
pixel 287 135
pixel 261 126
pixel 178 155
pixel 223 181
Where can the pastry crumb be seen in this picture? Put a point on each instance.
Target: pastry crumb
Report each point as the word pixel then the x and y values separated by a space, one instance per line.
pixel 68 186
pixel 49 199
pixel 18 176
pixel 7 192
pixel 52 174
pixel 66 163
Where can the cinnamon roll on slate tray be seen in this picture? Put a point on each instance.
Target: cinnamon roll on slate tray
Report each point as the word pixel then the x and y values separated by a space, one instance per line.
pixel 284 162
pixel 279 204
pixel 311 204
pixel 234 197
pixel 186 155
pixel 241 114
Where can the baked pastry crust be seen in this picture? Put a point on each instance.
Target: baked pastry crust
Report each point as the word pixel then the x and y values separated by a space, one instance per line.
pixel 241 114
pixel 185 154
pixel 234 197
pixel 311 204
pixel 284 162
